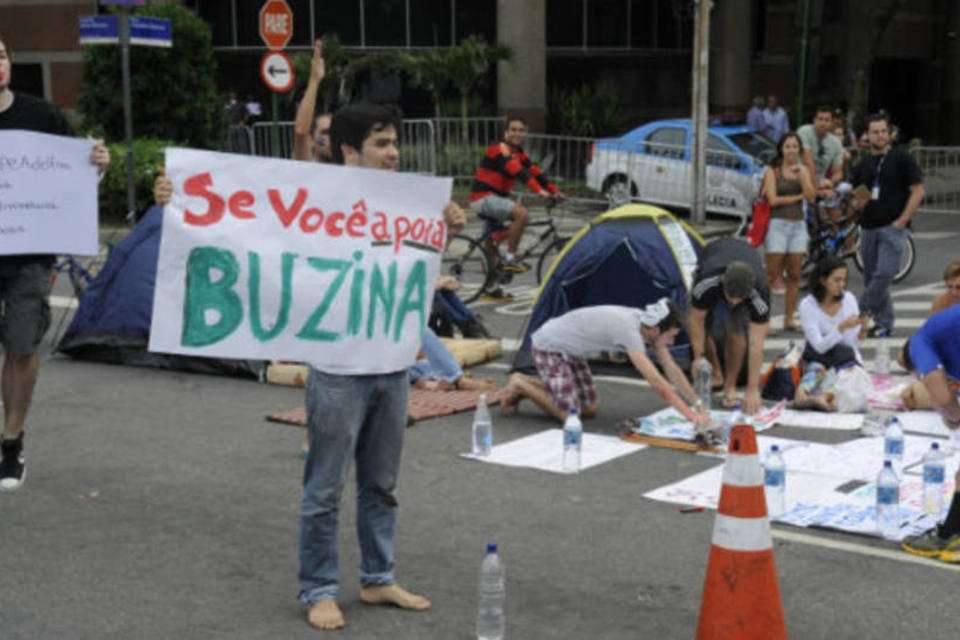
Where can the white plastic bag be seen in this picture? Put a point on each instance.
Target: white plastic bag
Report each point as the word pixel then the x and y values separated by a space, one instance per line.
pixel 853 387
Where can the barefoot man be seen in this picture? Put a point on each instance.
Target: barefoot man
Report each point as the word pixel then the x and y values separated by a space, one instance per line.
pixel 562 345
pixel 355 418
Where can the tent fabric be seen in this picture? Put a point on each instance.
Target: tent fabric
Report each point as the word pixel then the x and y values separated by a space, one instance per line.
pixel 631 256
pixel 112 322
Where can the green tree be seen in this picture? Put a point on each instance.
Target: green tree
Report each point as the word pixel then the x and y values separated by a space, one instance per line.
pixel 173 92
pixel 468 65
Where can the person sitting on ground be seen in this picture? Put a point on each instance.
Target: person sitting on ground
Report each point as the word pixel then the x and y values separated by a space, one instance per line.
pixel 832 330
pixel 933 352
pixel 729 289
pixel 950 297
pixel 439 371
pixel 449 311
pixel 504 162
pixel 563 344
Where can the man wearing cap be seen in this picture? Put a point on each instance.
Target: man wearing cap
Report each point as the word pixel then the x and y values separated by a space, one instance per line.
pixel 729 287
pixel 563 344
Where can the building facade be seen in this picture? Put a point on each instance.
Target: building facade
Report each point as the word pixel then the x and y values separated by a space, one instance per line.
pixel 903 59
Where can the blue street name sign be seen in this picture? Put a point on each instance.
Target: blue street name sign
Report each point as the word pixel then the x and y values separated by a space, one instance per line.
pixel 151 32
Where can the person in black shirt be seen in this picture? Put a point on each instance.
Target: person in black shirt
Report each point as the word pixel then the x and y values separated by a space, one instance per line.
pixel 896 190
pixel 24 285
pixel 730 284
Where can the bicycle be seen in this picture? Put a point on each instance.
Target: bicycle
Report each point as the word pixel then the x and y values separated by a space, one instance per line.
pixel 476 260
pixel 834 231
pixel 80 277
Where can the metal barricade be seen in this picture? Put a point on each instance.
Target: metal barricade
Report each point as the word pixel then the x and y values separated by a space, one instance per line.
pixel 263 142
pixel 941 178
pixel 239 140
pixel 460 144
pixel 418 147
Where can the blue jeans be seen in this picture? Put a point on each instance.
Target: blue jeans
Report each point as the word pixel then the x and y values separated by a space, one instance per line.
pixel 881 249
pixel 359 418
pixel 450 302
pixel 440 363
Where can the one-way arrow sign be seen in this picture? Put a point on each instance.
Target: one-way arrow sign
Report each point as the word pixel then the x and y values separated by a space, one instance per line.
pixel 276 70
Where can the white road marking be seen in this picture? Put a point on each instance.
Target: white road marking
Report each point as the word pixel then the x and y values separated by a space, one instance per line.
pixel 850 547
pixel 933 235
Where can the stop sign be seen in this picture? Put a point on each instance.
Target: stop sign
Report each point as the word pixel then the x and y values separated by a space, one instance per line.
pixel 276 23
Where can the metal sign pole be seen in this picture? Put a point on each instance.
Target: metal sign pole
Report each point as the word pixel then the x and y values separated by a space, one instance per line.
pixel 127 111
pixel 700 95
pixel 275 129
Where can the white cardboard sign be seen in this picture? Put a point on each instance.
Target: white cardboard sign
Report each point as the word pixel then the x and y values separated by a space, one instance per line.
pixel 277 259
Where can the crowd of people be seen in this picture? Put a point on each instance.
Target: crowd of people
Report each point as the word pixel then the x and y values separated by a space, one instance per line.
pixel 358 419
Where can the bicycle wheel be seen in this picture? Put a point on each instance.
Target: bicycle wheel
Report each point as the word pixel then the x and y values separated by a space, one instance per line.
pixel 547 258
pixel 466 260
pixel 908 257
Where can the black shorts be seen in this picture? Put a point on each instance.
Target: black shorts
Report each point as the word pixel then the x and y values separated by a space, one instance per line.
pixel 24 305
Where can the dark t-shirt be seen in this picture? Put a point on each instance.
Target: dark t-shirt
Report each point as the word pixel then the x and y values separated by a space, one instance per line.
pixel 33 114
pixel 894 172
pixel 707 289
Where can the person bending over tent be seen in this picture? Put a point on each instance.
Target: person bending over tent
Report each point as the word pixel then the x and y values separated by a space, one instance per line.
pixel 729 285
pixel 933 352
pixel 563 344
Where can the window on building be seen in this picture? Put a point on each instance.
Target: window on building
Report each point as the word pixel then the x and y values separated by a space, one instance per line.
pixel 565 23
pixel 607 23
pixel 475 17
pixel 430 23
pixel 341 17
pixel 219 15
pixel 643 24
pixel 385 23
pixel 674 24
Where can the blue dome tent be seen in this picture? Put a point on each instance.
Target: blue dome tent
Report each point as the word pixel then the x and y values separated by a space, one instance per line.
pixel 631 256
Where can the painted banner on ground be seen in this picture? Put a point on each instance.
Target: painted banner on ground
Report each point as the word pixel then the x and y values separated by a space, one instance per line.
pixel 277 259
pixel 48 194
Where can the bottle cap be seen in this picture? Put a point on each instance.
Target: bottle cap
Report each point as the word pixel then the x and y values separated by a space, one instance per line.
pixel 572 411
pixel 934 446
pixel 774 448
pixel 888 464
pixel 491 547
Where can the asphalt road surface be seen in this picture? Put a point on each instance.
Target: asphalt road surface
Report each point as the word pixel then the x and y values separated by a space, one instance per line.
pixel 162 505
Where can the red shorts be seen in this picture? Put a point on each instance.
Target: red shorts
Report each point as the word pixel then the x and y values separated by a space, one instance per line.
pixel 568 379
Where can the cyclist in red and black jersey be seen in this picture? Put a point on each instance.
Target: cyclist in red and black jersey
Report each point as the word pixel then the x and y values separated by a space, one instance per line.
pixel 504 163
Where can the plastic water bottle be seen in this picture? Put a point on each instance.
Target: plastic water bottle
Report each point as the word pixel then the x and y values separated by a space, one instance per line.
pixel 893 443
pixel 482 428
pixel 734 418
pixel 881 361
pixel 933 472
pixel 491 610
pixel 888 500
pixel 775 482
pixel 572 442
pixel 704 382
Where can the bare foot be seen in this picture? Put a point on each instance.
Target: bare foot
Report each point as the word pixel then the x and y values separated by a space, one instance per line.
pixel 432 384
pixel 325 614
pixel 475 384
pixel 393 594
pixel 509 403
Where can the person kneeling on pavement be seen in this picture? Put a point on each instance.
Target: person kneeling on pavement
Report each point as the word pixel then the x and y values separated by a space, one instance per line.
pixel 563 344
pixel 933 353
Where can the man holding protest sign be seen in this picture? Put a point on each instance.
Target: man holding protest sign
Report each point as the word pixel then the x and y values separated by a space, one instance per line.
pixel 355 416
pixel 25 282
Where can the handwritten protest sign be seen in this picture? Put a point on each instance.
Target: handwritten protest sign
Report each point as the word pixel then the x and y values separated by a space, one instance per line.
pixel 277 259
pixel 48 194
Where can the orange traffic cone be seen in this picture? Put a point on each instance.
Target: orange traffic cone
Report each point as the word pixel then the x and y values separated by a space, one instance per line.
pixel 741 598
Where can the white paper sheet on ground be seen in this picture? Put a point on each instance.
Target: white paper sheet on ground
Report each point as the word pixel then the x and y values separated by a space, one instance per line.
pixel 863 457
pixel 855 510
pixel 821 420
pixel 544 450
pixel 703 489
pixel 670 423
pixel 923 422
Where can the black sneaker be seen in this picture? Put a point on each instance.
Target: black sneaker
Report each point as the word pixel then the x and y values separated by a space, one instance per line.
pixel 497 295
pixel 473 328
pixel 13 466
pixel 876 331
